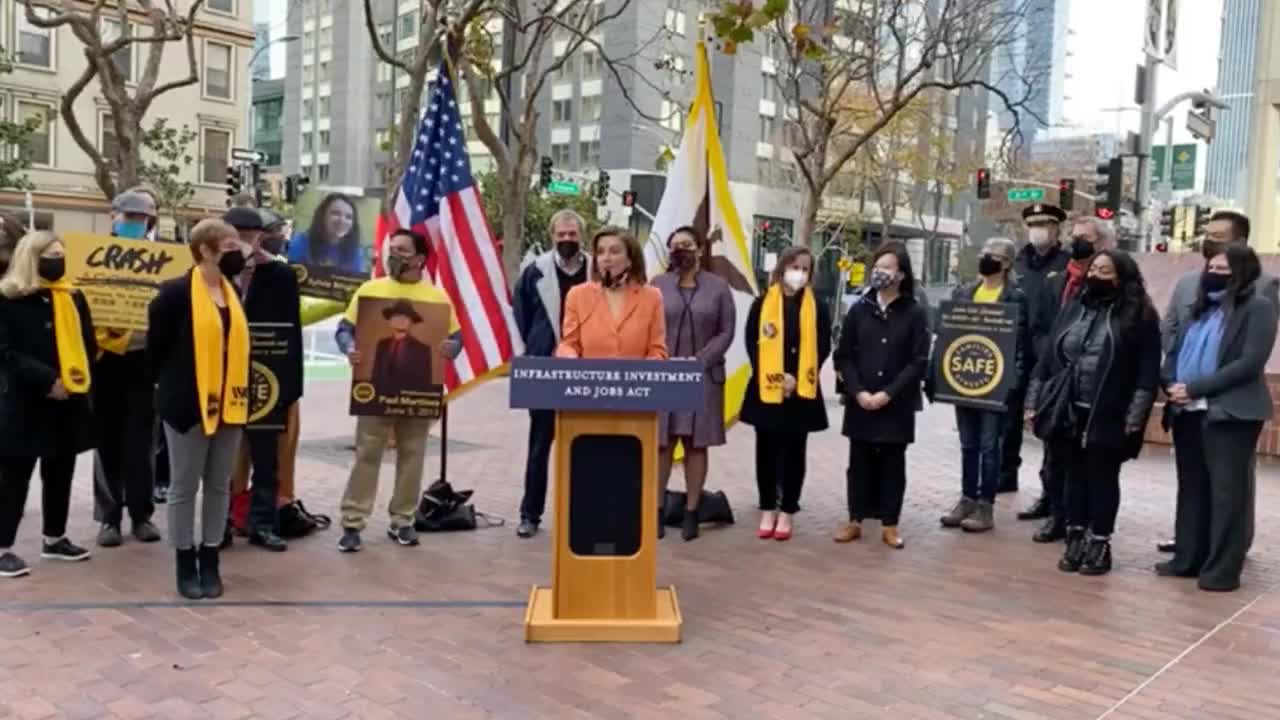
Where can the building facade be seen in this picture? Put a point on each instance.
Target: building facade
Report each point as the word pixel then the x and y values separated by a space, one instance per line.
pixel 268 122
pixel 1033 66
pixel 1228 153
pixel 46 62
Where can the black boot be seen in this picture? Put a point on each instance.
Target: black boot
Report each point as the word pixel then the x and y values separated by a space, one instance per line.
pixel 1097 557
pixel 1038 510
pixel 1052 530
pixel 188 575
pixel 210 579
pixel 689 530
pixel 1074 554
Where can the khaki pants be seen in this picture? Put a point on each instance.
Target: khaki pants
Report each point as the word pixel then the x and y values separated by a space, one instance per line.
pixel 286 465
pixel 372 434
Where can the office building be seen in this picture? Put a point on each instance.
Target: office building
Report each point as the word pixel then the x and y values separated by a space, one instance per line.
pixel 268 118
pixel 46 62
pixel 1033 66
pixel 1227 161
pixel 261 56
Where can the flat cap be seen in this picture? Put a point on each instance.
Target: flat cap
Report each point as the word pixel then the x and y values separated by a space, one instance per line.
pixel 243 218
pixel 134 203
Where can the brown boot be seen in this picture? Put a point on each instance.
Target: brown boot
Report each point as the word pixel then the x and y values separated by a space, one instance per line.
pixel 848 532
pixel 891 538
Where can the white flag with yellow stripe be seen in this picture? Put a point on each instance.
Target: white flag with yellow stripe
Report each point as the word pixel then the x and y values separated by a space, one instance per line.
pixel 697 194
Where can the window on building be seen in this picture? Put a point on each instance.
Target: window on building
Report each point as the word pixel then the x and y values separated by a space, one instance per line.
pixel 324 141
pixel 35 44
pixel 324 106
pixel 112 30
pixel 766 129
pixel 672 116
pixel 322 74
pixel 674 21
pixel 323 172
pixel 561 111
pixel 589 153
pixel 591 64
pixel 107 137
pixel 565 72
pixel 407 23
pixel 223 6
pixel 560 154
pixel 308 74
pixel 382 104
pixel 217 70
pixel 306 109
pixel 308 41
pixel 40 146
pixel 326 37
pixel 215 150
pixel 306 142
pixel 384 34
pixel 590 109
pixel 768 90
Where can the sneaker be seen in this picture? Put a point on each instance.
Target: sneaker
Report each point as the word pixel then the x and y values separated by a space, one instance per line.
pixel 350 541
pixel 109 535
pixel 146 532
pixel 64 549
pixel 405 535
pixel 527 529
pixel 959 513
pixel 12 566
pixel 981 520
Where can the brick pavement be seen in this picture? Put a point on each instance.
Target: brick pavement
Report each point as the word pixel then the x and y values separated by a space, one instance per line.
pixel 954 626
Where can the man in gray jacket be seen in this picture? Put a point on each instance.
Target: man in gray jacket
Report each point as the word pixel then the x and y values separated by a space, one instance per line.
pixel 1225 227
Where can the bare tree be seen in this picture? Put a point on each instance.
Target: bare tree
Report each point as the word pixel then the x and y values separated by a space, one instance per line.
pixel 879 56
pixel 154 28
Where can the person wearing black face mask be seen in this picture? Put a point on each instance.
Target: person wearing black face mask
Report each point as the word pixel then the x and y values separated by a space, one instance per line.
pixel 538 306
pixel 46 342
pixel 1214 376
pixel 700 318
pixel 1090 396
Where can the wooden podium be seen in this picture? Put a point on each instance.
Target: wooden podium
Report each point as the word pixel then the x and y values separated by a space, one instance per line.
pixel 604 567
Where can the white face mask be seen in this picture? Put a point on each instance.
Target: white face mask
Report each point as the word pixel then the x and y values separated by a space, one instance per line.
pixel 795 279
pixel 1039 237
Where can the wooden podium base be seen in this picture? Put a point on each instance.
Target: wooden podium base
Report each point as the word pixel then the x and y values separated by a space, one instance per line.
pixel 540 626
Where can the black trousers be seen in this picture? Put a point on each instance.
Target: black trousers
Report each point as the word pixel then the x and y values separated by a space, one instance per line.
pixel 780 465
pixel 876 481
pixel 265 460
pixel 1053 483
pixel 123 402
pixel 56 470
pixel 1215 470
pixel 542 432
pixel 1092 485
pixel 1011 443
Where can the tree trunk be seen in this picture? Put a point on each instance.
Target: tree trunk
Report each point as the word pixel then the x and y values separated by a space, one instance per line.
pixel 808 222
pixel 513 212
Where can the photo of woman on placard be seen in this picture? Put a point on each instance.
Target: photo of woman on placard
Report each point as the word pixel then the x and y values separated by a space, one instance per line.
pixel 332 239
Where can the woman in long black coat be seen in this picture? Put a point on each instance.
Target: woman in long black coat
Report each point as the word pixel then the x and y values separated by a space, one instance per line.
pixel 46 343
pixel 788 337
pixel 884 350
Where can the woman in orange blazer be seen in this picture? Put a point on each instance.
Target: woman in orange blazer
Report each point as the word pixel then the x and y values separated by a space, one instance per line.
pixel 616 314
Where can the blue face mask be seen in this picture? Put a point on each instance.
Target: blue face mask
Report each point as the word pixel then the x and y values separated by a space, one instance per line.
pixel 132 229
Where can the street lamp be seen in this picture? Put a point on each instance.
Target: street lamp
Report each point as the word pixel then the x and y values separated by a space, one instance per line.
pixel 269 43
pixel 253 131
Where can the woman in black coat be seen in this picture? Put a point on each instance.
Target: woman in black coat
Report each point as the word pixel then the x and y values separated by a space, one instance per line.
pixel 884 350
pixel 46 343
pixel 1094 387
pixel 1215 378
pixel 788 337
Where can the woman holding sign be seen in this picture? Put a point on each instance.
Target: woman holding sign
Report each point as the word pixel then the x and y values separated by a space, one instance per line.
pixel 199 346
pixel 788 337
pixel 45 413
pixel 1090 396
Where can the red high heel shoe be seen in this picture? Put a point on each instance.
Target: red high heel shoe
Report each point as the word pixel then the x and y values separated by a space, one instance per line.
pixel 782 535
pixel 767 533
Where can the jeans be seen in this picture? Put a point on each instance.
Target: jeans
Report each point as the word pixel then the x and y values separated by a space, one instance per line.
pixel 199 462
pixel 980 432
pixel 780 464
pixel 877 481
pixel 265 490
pixel 542 431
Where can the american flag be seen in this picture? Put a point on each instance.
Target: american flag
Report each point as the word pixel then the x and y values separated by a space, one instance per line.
pixel 439 197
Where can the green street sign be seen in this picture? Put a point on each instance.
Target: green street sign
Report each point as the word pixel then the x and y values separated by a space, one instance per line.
pixel 559 187
pixel 1184 165
pixel 1026 195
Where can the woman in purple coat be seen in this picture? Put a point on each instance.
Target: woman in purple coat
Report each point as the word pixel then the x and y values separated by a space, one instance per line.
pixel 700 325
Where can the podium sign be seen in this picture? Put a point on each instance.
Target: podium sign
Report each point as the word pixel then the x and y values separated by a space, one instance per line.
pixel 604 569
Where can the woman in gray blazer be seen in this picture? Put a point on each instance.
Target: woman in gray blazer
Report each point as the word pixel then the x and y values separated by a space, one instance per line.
pixel 1218 401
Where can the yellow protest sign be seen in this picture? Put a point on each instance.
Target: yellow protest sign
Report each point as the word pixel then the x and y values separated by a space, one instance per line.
pixel 120 277
pixel 857 274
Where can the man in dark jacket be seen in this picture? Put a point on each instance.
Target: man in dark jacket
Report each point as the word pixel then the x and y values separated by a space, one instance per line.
pixel 1040 258
pixel 538 306
pixel 269 295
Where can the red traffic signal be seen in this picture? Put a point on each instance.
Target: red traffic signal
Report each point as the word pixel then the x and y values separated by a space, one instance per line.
pixel 983 182
pixel 1104 213
pixel 628 198
pixel 1162 247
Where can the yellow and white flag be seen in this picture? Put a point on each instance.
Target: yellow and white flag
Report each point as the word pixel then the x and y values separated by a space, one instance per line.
pixel 697 194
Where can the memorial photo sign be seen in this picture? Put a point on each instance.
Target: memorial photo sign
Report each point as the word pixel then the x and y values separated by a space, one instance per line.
pixel 974 354
pixel 120 277
pixel 401 371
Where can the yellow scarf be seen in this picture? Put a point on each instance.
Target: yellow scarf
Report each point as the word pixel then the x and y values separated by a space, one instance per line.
pixel 231 402
pixel 73 359
pixel 771 347
pixel 112 340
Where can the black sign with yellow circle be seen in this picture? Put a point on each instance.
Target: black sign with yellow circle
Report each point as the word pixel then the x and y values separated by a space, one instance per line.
pixel 363 392
pixel 973 365
pixel 975 354
pixel 264 392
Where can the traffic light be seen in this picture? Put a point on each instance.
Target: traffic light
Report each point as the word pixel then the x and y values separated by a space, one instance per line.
pixel 234 182
pixel 1109 187
pixel 628 198
pixel 602 186
pixel 1067 194
pixel 984 183
pixel 255 172
pixel 544 175
pixel 293 187
pixel 1167 220
pixel 1202 220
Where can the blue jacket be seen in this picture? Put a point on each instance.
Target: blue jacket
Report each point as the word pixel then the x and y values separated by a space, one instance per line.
pixel 536 305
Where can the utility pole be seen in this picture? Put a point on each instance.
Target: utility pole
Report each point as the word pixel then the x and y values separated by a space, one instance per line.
pixel 1145 131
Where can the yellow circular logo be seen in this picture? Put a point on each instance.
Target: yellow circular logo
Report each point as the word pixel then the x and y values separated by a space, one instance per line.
pixel 972 365
pixel 363 392
pixel 301 272
pixel 77 375
pixel 264 389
